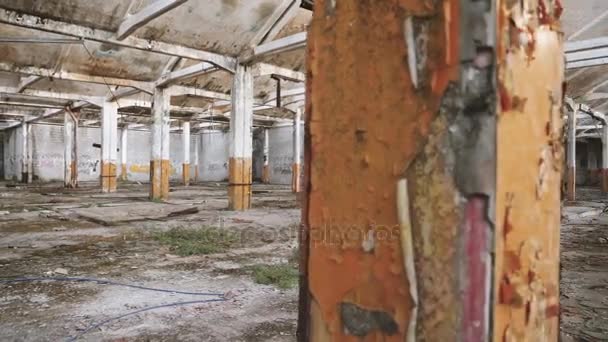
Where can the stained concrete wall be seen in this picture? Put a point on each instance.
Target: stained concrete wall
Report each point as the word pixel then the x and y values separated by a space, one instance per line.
pixel 213 156
pixel 588 162
pixel 47 154
pixel 280 154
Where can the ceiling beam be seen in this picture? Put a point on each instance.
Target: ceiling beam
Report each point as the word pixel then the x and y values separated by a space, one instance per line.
pixel 196 92
pixel 27 81
pixel 145 15
pixel 49 25
pixel 70 76
pixel 284 12
pixel 264 69
pixel 185 73
pixel 589 25
pixel 285 44
pixel 41 95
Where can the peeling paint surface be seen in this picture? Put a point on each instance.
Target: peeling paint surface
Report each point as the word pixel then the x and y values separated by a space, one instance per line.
pixel 530 158
pixel 359 148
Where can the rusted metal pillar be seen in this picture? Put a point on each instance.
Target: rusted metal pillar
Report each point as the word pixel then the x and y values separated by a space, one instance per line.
pixel 241 123
pixel 70 141
pixel 160 166
pixel 430 145
pixel 604 170
pixel 109 144
pixel 297 155
pixel 571 161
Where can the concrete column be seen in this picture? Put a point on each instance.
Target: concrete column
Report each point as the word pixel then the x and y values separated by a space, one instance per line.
pixel 266 168
pixel 123 152
pixel 604 171
pixel 241 122
pixel 297 134
pixel 571 155
pixel 186 146
pixel 70 152
pixel 25 155
pixel 197 142
pixel 159 160
pixel 109 145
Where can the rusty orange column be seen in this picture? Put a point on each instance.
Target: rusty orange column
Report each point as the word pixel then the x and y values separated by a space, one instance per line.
pixel 530 159
pixel 241 123
pixel 423 136
pixel 160 166
pixel 109 141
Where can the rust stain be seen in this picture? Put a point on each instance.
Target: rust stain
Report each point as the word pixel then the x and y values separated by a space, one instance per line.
pixel 352 169
pixel 239 187
pixel 186 174
pixel 528 180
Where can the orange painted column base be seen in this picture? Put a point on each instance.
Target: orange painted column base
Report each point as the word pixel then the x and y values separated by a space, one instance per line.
pixel 604 180
pixel 196 173
pixel 266 174
pixel 108 177
pixel 186 174
pixel 159 179
pixel 123 172
pixel 571 184
pixel 239 187
pixel 295 178
pixel 73 181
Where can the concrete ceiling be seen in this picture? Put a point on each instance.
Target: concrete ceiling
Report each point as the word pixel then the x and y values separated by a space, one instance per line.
pixel 228 28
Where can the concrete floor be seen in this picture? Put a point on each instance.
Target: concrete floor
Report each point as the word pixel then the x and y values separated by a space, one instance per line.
pixel 47 231
pixel 584 267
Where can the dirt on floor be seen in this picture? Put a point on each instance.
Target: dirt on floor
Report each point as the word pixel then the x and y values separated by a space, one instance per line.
pixel 584 267
pixel 70 237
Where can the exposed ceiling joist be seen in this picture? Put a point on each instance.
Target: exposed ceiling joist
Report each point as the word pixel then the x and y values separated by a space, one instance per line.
pixel 27 81
pixel 88 33
pixel 70 76
pixel 189 91
pixel 145 15
pixel 124 92
pixel 264 69
pixel 274 47
pixel 185 73
pixel 38 95
pixel 589 25
pixel 275 23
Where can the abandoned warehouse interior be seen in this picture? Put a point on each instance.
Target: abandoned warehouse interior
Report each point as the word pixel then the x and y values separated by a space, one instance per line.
pixel 282 170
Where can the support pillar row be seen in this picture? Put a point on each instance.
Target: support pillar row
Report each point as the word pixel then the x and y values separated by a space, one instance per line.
pixel 241 122
pixel 159 160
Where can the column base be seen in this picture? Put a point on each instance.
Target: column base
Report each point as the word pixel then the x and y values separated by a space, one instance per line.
pixel 266 174
pixel 123 172
pixel 25 177
pixel 186 174
pixel 295 178
pixel 571 184
pixel 239 187
pixel 604 180
pixel 108 177
pixel 159 179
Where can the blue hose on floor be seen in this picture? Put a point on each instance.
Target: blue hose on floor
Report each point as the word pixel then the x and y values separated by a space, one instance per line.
pixel 102 282
pixel 109 282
